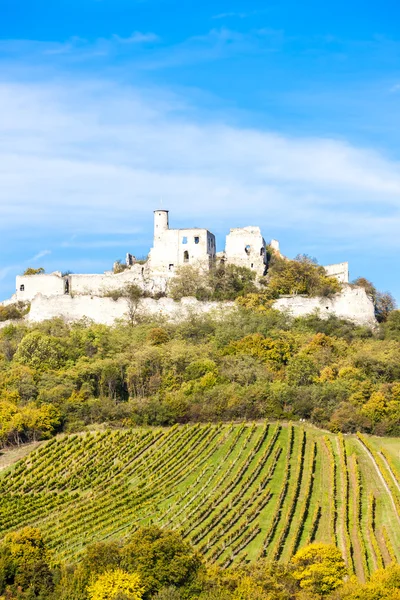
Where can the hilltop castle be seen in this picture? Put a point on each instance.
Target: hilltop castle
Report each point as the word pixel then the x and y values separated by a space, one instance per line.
pixel 97 296
pixel 172 248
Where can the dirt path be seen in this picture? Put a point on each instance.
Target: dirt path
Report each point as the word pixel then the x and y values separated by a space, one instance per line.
pixel 340 533
pixel 355 526
pixel 9 456
pixel 381 477
pixel 389 468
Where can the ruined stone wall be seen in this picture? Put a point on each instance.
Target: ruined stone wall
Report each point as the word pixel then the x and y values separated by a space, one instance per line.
pixel 27 286
pixel 246 247
pixel 107 311
pixel 177 247
pixel 339 270
pixel 352 303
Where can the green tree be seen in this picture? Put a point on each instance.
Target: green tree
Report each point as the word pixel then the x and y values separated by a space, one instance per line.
pixel 161 558
pixel 188 281
pixel 40 351
pixel 299 276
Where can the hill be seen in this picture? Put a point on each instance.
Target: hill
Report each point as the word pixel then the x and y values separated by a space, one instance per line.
pixel 236 491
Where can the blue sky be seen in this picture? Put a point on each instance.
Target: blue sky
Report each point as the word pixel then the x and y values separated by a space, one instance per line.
pixel 279 114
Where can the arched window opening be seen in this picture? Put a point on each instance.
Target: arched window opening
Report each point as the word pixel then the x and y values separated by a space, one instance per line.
pixel 262 251
pixel 186 256
pixel 247 249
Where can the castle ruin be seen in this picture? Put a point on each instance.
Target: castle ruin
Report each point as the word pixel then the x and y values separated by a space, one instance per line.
pixel 77 296
pixel 172 248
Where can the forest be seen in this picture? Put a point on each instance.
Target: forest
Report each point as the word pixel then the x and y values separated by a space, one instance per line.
pixel 248 365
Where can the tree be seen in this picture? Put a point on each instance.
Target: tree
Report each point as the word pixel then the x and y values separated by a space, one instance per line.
pixel 384 584
pixel 384 306
pixel 392 326
pixel 40 351
pixel 299 276
pixel 101 557
pixel 162 558
pixel 188 281
pixel 229 282
pixel 30 569
pixel 133 294
pixel 319 568
pixel 115 585
pixel 384 302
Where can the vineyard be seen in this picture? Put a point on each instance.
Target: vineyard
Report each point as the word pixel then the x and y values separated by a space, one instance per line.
pixel 235 491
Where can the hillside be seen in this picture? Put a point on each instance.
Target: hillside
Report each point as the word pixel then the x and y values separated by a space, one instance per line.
pixel 235 491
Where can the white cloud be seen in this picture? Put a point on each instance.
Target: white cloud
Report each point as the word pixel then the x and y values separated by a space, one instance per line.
pixel 97 157
pixel 137 37
pixel 40 255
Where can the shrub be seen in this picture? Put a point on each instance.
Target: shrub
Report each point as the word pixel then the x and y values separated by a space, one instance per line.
pixel 119 267
pixel 13 311
pixel 300 276
pixel 32 271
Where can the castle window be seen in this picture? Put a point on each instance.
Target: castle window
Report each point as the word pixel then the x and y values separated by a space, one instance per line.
pixel 186 256
pixel 184 240
pixel 22 288
pixel 196 240
pixel 171 267
pixel 262 251
pixel 252 265
pixel 66 286
pixel 247 249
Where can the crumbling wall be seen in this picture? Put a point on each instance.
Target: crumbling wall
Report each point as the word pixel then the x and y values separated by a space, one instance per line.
pixel 339 270
pixel 107 311
pixel 27 286
pixel 246 247
pixel 352 303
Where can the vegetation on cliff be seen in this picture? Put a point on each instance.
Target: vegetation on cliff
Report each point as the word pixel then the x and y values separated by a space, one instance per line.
pixel 251 364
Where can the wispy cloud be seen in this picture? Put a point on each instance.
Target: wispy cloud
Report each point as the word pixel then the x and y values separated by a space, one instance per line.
pixel 104 156
pixel 227 15
pixel 137 37
pixel 239 14
pixel 40 255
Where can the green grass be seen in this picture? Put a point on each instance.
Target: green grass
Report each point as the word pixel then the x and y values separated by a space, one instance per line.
pixel 223 486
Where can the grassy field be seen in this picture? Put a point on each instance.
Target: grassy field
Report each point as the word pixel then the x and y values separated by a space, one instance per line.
pixel 235 491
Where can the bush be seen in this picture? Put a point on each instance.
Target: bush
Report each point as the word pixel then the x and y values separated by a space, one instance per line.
pixel 223 282
pixel 32 271
pixel 13 312
pixel 300 276
pixel 119 267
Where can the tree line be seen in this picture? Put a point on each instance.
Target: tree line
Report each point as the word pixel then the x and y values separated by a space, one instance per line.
pixel 157 564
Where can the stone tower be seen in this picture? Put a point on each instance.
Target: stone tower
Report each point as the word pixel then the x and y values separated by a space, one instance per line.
pixel 161 224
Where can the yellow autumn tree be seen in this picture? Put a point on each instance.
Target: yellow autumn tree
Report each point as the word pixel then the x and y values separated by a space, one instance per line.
pixel 113 583
pixel 319 568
